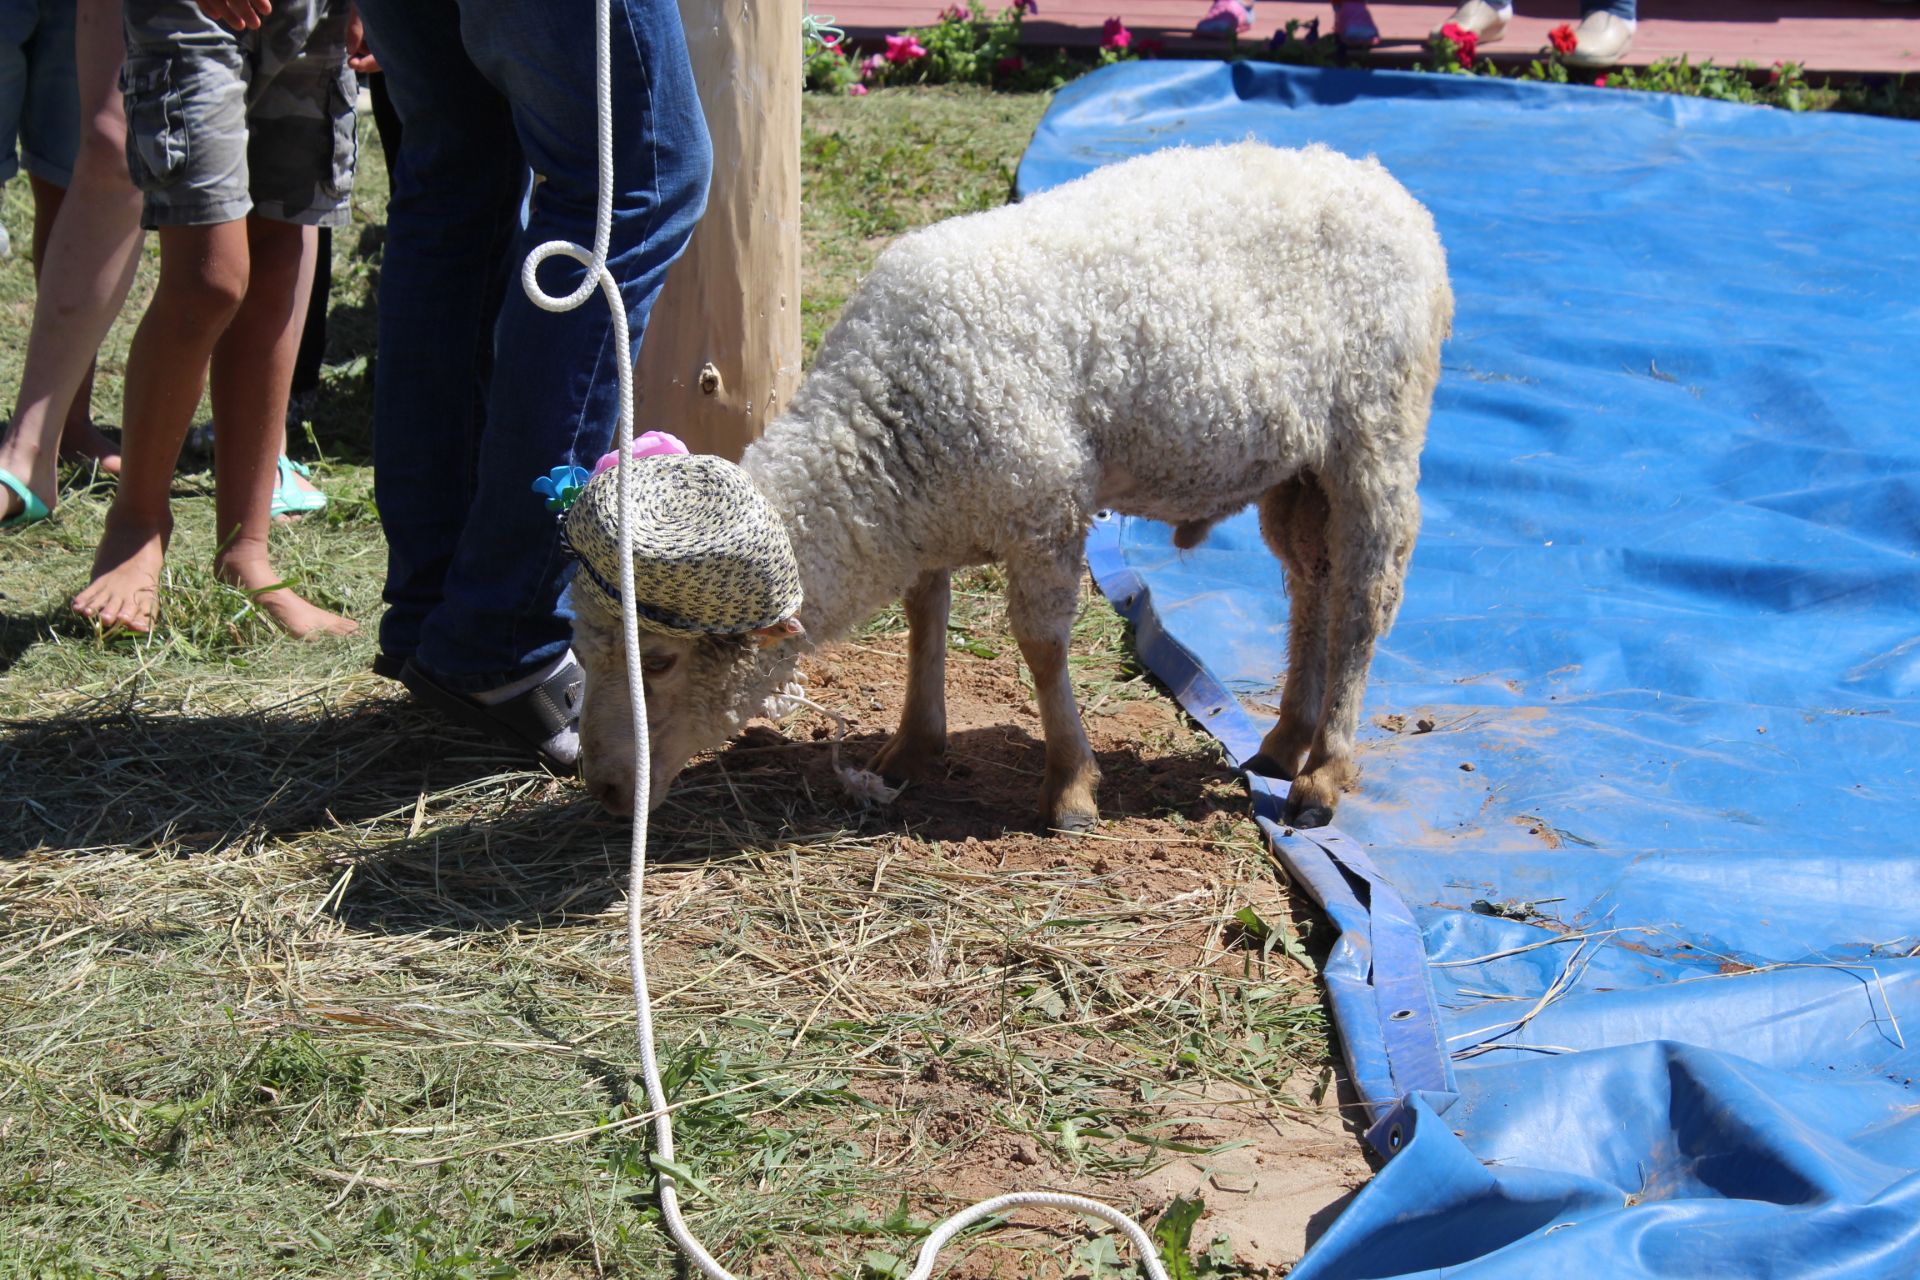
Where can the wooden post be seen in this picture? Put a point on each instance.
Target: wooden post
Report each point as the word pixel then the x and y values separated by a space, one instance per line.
pixel 722 351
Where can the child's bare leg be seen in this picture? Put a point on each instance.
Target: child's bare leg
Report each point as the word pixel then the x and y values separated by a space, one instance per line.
pixel 85 263
pixel 203 277
pixel 252 375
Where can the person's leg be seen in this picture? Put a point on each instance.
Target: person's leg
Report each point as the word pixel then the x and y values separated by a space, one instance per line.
pixel 46 207
pixel 252 372
pixel 1353 24
pixel 457 175
pixel 313 327
pixel 1486 19
pixel 203 279
pixel 87 268
pixel 1604 35
pixel 386 121
pixel 555 400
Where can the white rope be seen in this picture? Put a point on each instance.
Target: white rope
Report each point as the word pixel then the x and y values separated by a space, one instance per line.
pixel 595 263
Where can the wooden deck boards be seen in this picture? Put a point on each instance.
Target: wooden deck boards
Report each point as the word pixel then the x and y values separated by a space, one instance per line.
pixel 1833 37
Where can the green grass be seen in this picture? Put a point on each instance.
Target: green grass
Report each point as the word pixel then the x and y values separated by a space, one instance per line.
pixel 295 982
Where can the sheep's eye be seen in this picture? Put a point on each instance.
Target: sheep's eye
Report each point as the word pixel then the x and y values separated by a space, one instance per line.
pixel 658 664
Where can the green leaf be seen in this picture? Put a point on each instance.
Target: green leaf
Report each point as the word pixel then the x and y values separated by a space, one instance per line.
pixel 1174 1236
pixel 875 1265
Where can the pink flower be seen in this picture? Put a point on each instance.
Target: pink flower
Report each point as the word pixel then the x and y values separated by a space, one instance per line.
pixel 857 90
pixel 1114 35
pixel 873 64
pixel 902 49
pixel 954 13
pixel 1600 83
pixel 653 444
pixel 1027 6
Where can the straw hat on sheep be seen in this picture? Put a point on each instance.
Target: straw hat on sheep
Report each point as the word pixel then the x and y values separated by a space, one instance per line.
pixel 710 558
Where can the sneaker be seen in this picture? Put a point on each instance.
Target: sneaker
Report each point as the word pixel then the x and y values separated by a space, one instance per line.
pixel 543 720
pixel 1353 25
pixel 1601 40
pixel 1226 18
pixel 1479 17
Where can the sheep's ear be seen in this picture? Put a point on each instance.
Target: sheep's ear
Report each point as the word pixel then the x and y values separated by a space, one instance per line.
pixel 779 633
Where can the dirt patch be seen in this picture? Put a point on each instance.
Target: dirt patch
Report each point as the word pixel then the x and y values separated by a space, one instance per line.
pixel 1175 857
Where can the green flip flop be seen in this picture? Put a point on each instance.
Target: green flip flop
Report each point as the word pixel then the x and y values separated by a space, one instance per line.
pixel 34 510
pixel 289 499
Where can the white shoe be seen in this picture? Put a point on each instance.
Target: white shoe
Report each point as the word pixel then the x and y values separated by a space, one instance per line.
pixel 6 244
pixel 1480 18
pixel 1601 40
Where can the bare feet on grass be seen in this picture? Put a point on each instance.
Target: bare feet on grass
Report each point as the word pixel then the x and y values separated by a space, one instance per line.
pixel 126 575
pixel 301 618
pixel 85 443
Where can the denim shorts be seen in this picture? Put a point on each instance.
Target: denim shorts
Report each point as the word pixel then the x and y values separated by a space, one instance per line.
pixel 39 92
pixel 222 123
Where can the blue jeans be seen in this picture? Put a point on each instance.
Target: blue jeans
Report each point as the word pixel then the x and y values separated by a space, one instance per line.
pixel 478 391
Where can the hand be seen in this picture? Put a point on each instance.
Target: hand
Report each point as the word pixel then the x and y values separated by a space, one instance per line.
pixel 359 56
pixel 241 15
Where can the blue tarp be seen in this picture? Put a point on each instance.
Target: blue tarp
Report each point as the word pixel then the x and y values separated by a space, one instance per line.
pixel 1629 964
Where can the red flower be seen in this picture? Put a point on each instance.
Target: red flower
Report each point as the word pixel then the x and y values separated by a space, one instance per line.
pixel 1028 6
pixel 1600 83
pixel 1564 41
pixel 1010 66
pixel 1773 76
pixel 1464 41
pixel 1114 35
pixel 1152 48
pixel 904 49
pixel 954 13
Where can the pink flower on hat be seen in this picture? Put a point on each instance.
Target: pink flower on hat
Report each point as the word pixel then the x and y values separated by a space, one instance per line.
pixel 653 444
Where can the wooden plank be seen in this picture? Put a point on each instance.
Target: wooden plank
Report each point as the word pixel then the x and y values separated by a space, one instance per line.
pixel 1835 37
pixel 722 352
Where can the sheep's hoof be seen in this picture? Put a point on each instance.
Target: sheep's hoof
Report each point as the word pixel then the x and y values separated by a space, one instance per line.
pixel 1266 766
pixel 1308 816
pixel 1072 822
pixel 903 759
pixel 1315 794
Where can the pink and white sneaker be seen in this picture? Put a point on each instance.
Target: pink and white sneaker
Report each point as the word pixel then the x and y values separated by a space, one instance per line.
pixel 1353 25
pixel 1226 18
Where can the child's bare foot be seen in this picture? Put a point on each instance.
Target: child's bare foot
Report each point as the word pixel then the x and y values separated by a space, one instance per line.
pixel 126 575
pixel 84 442
pixel 301 618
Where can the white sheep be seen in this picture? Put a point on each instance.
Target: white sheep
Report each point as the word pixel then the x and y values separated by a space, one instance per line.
pixel 1174 337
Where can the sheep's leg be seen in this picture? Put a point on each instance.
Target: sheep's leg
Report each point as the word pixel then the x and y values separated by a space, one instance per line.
pixel 922 737
pixel 1042 598
pixel 1293 519
pixel 1370 537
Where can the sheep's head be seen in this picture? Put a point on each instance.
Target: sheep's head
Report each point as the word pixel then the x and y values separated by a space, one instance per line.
pixel 708 554
pixel 700 692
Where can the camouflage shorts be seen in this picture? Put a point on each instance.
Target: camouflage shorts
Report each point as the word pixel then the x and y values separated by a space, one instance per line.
pixel 221 123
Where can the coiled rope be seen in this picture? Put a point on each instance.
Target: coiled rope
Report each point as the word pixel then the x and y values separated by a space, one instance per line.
pixel 597 275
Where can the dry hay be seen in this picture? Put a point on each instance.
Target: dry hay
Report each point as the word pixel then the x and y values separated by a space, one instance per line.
pixel 311 985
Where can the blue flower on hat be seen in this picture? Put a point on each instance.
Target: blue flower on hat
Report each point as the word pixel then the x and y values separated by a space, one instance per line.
pixel 561 486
